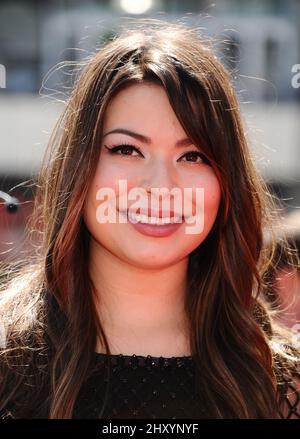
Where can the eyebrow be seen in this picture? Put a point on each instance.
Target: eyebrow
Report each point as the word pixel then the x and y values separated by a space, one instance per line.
pixel 183 142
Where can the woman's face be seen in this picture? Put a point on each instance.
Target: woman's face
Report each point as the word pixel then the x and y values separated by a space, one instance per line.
pixel 152 161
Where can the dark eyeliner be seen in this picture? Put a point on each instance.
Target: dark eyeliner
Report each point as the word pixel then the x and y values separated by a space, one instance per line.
pixel 203 157
pixel 114 148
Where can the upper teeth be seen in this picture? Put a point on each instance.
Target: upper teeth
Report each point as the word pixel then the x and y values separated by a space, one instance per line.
pixel 153 220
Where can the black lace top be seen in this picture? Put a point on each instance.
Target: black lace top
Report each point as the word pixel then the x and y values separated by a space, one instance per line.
pixel 148 387
pixel 140 387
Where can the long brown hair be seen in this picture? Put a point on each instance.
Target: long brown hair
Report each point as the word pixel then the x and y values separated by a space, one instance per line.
pixel 47 307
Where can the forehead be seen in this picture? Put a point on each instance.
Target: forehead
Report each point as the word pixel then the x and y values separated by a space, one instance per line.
pixel 142 106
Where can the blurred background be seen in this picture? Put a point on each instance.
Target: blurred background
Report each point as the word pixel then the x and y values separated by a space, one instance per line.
pixel 259 41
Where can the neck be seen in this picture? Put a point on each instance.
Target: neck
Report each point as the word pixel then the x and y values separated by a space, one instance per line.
pixel 137 301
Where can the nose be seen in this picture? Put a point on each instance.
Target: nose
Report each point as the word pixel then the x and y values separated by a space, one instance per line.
pixel 159 174
pixel 158 180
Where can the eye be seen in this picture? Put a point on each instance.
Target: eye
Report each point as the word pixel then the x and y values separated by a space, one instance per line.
pixel 124 149
pixel 195 157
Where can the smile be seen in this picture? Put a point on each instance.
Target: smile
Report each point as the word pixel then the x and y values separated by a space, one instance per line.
pixel 141 218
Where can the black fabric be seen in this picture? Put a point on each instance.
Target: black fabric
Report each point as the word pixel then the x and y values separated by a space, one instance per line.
pixel 140 387
pixel 148 387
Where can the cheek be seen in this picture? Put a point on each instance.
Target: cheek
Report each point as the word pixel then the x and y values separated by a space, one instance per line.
pixel 109 173
pixel 212 193
pixel 207 182
pixel 107 176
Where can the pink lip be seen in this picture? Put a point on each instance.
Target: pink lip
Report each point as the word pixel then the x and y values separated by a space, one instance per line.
pixel 157 231
pixel 154 230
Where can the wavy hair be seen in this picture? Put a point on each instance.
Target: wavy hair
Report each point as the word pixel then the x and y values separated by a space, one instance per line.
pixel 47 305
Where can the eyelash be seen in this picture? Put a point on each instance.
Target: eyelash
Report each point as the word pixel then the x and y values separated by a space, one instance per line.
pixel 115 148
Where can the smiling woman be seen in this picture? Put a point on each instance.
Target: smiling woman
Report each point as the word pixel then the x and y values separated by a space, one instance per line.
pixel 161 158
pixel 136 317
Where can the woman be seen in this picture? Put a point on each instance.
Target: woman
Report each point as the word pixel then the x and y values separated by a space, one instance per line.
pixel 122 318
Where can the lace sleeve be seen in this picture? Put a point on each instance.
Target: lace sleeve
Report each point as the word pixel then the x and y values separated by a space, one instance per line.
pixel 6 414
pixel 290 396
